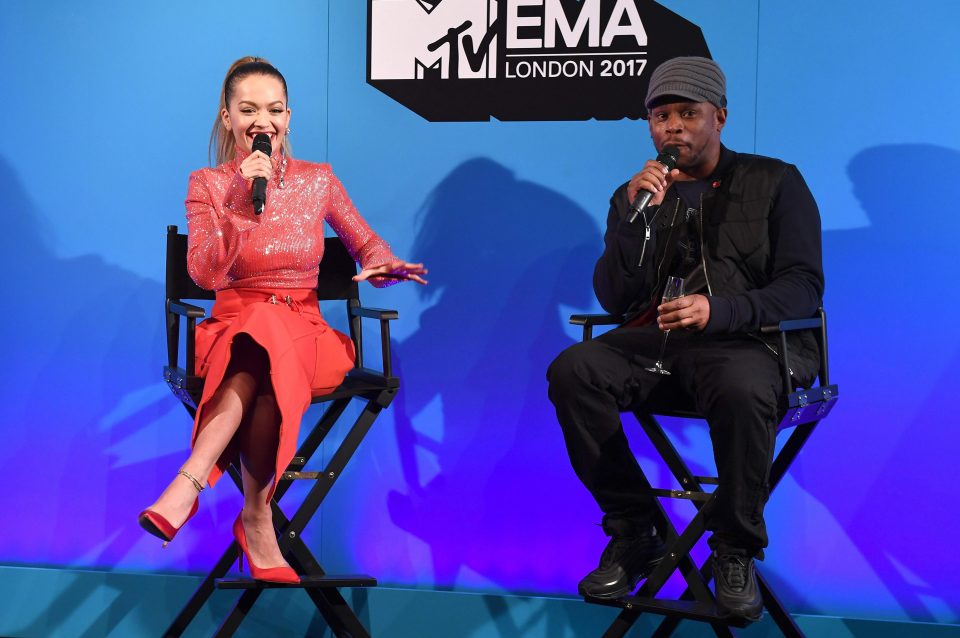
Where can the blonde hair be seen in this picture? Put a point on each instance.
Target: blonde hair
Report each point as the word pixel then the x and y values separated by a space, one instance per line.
pixel 221 138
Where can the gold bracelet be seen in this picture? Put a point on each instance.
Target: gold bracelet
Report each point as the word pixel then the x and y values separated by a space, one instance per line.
pixel 197 484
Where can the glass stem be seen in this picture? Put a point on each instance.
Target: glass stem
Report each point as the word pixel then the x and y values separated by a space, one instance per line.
pixel 663 347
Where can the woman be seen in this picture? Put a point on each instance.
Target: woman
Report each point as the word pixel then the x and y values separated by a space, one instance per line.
pixel 266 349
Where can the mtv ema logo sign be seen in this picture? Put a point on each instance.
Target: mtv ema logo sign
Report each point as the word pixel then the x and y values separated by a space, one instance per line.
pixel 470 60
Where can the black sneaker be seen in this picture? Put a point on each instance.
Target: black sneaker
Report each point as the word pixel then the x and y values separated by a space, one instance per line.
pixel 737 591
pixel 633 552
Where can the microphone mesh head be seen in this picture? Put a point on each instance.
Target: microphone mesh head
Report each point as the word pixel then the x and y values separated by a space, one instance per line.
pixel 261 142
pixel 668 157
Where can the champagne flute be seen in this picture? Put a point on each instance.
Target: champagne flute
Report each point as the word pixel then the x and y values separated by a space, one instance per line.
pixel 673 290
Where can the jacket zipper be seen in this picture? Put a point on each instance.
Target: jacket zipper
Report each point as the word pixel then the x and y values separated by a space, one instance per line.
pixel 663 257
pixel 703 250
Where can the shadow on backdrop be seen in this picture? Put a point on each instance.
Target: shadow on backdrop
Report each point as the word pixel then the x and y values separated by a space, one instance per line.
pixel 84 410
pixel 481 464
pixel 886 450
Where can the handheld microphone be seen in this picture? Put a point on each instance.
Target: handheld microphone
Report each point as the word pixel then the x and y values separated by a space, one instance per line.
pixel 261 142
pixel 668 157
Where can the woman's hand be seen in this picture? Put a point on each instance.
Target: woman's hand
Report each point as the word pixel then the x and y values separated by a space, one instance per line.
pixel 397 269
pixel 256 165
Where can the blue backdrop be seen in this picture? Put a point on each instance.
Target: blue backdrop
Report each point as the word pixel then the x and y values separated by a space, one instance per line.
pixel 464 482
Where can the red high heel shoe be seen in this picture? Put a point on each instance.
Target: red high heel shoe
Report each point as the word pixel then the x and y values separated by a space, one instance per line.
pixel 154 523
pixel 271 574
pixel 160 527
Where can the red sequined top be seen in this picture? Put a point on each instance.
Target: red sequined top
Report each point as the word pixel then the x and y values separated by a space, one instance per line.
pixel 231 247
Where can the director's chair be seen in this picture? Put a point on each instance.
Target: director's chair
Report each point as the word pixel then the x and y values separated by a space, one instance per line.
pixel 375 389
pixel 804 409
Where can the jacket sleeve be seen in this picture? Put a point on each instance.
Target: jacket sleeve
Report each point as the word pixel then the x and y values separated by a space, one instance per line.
pixel 795 287
pixel 364 245
pixel 215 231
pixel 619 279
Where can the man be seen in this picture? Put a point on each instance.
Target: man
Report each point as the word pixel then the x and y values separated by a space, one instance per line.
pixel 744 231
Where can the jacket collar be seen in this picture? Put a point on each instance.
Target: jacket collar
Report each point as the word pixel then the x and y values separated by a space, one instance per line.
pixel 727 159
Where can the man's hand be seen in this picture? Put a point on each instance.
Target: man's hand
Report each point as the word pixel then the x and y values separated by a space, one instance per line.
pixel 654 178
pixel 691 312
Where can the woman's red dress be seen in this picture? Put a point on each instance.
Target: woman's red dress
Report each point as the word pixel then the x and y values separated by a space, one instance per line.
pixel 264 269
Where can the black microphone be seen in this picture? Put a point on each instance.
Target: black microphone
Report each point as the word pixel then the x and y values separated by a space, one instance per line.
pixel 668 157
pixel 261 142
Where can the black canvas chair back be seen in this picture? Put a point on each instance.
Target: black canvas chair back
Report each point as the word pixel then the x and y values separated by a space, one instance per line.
pixel 803 410
pixel 374 388
pixel 334 281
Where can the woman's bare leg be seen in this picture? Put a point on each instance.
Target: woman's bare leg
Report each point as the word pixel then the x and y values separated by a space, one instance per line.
pixel 221 418
pixel 259 438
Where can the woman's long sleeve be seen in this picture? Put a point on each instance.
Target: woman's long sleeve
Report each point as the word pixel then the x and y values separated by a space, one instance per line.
pixel 217 226
pixel 364 245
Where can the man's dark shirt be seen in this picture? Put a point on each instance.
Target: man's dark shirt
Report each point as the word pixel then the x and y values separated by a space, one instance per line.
pixel 686 260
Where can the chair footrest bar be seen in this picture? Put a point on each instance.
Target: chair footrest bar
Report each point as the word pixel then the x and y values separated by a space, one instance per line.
pixel 683 609
pixel 684 494
pixel 708 480
pixel 298 476
pixel 306 582
pixel 810 405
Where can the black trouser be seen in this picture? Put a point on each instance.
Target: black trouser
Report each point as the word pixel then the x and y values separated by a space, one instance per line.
pixel 734 381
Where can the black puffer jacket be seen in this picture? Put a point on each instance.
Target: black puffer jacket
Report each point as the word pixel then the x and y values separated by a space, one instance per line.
pixel 761 253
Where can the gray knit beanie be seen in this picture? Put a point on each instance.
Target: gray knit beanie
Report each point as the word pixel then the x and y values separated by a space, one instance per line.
pixel 694 78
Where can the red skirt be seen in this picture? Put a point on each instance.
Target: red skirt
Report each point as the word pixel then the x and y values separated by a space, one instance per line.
pixel 307 356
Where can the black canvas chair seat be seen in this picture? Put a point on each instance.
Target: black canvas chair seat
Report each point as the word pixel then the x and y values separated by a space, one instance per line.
pixel 803 410
pixel 375 388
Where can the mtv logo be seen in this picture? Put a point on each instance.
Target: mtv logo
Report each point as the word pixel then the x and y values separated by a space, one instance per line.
pixel 432 72
pixel 416 39
pixel 429 5
pixel 523 60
